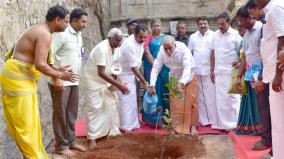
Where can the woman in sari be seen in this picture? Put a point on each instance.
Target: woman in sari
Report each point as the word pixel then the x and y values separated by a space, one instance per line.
pixel 249 118
pixel 249 122
pixel 152 48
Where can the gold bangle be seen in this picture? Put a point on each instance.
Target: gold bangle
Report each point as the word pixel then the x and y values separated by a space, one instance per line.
pixel 146 84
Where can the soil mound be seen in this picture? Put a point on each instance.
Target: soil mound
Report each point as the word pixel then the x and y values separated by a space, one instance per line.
pixel 147 146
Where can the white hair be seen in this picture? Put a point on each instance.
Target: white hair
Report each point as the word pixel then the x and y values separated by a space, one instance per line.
pixel 169 38
pixel 114 32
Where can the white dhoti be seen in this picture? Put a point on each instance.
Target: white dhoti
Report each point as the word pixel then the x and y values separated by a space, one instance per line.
pixel 206 102
pixel 128 109
pixel 276 100
pixel 103 116
pixel 228 105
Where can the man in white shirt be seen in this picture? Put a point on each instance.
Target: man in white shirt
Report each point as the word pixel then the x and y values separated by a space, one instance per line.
pixel 100 86
pixel 131 51
pixel 259 99
pixel 200 44
pixel 271 45
pixel 176 56
pixel 66 47
pixel 225 46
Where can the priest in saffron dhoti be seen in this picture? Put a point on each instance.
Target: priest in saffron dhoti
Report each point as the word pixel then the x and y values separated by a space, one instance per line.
pixel 18 82
pixel 183 108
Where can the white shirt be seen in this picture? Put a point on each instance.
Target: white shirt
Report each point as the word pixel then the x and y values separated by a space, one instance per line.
pixel 272 29
pixel 226 46
pixel 200 45
pixel 131 54
pixel 251 44
pixel 101 55
pixel 66 47
pixel 180 63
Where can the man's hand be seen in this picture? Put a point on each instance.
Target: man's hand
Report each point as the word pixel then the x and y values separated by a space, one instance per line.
pixel 281 60
pixel 239 84
pixel 113 88
pixel 180 87
pixel 276 84
pixel 58 84
pixel 259 86
pixel 64 68
pixel 151 90
pixel 68 76
pixel 212 76
pixel 236 63
pixel 123 89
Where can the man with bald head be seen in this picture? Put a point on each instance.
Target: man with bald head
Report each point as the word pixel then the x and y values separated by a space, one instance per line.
pixel 176 56
pixel 100 87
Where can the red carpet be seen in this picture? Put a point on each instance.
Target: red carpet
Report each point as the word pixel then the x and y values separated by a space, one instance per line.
pixel 242 143
pixel 242 146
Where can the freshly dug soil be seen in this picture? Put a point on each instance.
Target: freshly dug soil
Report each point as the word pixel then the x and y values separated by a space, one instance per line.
pixel 147 146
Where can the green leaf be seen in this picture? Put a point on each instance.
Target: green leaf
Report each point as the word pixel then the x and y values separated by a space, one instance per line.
pixel 167 112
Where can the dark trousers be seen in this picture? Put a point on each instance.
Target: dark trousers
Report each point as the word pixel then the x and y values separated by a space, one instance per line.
pixel 65 110
pixel 264 110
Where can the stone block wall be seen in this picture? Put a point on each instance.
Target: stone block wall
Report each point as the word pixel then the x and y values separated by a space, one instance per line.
pixel 16 16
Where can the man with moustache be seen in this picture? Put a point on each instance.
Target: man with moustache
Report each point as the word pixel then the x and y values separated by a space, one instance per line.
pixel 272 44
pixel 200 44
pixel 225 47
pixel 132 51
pixel 181 33
pixel 67 47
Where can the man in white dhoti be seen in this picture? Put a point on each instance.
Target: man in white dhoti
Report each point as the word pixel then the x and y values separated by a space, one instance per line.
pixel 176 56
pixel 225 46
pixel 131 50
pixel 200 44
pixel 99 86
pixel 271 47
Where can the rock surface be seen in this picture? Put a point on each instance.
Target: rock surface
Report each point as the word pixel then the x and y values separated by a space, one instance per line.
pixel 16 16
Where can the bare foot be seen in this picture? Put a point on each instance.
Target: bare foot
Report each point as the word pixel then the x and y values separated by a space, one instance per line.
pixel 128 131
pixel 193 131
pixel 78 147
pixel 92 145
pixel 67 152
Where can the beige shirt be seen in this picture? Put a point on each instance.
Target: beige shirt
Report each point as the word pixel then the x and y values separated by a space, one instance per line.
pixel 66 47
pixel 101 55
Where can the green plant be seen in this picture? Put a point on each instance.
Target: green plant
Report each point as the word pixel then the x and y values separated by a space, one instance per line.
pixel 170 130
pixel 172 86
pixel 175 93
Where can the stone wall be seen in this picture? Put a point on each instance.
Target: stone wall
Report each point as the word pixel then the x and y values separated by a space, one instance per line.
pixel 170 10
pixel 16 16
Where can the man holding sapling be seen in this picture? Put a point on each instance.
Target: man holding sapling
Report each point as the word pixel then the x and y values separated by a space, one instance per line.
pixel 183 83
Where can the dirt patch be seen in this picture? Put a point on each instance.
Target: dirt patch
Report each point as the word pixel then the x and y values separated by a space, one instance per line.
pixel 147 146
